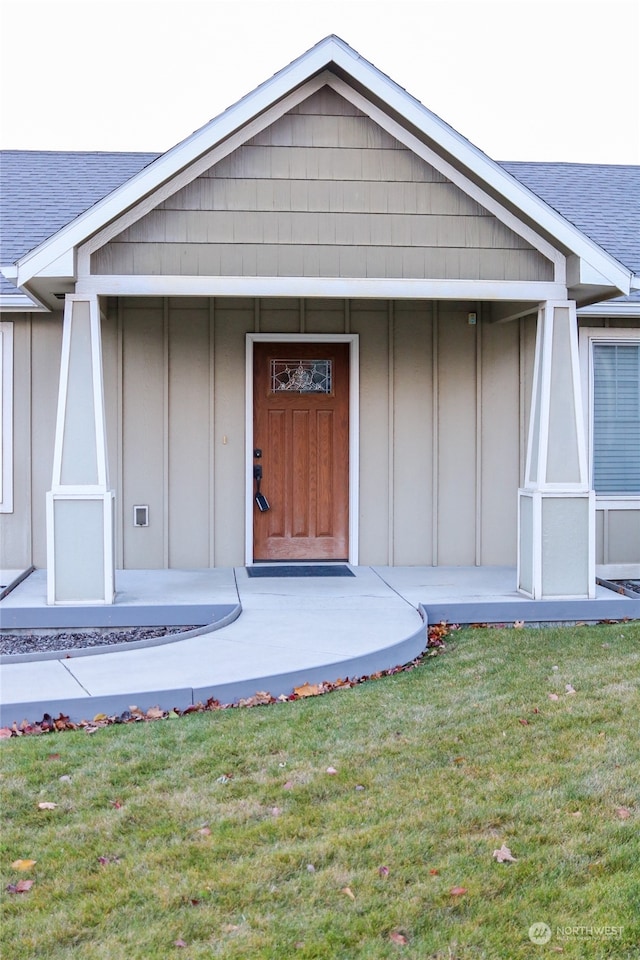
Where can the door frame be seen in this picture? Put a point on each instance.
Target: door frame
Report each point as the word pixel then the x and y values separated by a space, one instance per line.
pixel 354 423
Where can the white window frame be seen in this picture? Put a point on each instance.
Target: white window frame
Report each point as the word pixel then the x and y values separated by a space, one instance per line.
pixel 605 502
pixel 589 336
pixel 6 417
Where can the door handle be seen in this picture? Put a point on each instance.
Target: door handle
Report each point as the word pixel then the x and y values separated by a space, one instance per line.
pixel 261 501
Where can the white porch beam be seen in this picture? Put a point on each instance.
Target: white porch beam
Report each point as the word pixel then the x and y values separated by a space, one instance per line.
pixel 556 508
pixel 80 561
pixel 342 287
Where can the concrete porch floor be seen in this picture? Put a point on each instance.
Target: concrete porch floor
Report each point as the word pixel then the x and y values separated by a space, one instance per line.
pixel 256 634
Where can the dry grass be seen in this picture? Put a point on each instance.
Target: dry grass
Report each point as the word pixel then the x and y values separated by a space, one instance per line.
pixel 436 769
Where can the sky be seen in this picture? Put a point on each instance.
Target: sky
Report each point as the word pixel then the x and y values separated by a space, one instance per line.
pixel 554 80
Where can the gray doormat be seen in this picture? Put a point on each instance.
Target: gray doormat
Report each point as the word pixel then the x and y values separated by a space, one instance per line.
pixel 308 570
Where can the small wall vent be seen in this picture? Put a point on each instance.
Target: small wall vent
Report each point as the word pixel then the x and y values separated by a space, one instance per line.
pixel 141 516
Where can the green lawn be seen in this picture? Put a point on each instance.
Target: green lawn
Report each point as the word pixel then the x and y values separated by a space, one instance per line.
pixel 148 854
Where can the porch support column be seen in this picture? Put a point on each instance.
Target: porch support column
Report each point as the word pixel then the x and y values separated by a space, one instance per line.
pixel 556 508
pixel 80 556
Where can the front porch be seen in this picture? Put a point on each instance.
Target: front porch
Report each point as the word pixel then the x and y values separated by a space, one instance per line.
pixel 266 633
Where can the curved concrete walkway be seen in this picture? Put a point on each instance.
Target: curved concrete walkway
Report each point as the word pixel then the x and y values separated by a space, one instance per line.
pixel 290 631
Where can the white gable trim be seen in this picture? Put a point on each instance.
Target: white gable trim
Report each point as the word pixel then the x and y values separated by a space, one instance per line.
pixel 191 173
pixel 330 50
pixel 394 129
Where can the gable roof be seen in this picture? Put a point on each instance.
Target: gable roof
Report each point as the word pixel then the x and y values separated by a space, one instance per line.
pixel 117 185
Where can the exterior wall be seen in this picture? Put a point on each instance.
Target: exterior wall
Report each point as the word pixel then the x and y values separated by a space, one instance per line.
pixel 324 191
pixel 37 345
pixel 440 405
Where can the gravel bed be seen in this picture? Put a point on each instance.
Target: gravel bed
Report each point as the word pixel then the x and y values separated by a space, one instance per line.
pixel 14 643
pixel 633 585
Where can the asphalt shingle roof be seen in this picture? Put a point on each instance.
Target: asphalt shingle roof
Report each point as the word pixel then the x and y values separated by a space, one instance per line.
pixel 44 190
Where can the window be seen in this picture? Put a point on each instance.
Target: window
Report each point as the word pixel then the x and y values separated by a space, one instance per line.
pixel 615 416
pixel 6 417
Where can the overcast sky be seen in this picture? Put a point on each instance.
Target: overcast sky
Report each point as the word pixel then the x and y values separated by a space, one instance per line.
pixel 522 79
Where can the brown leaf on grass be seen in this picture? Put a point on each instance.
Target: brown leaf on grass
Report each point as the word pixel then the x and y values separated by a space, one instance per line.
pixel 434 873
pixel 331 771
pixel 53 756
pixel 383 871
pixel 308 690
pixel 623 813
pixel 396 937
pixel 523 721
pixel 553 696
pixel 47 805
pixel 518 624
pixel 103 861
pixel 5 733
pixel 288 785
pixel 349 892
pixel 503 855
pixel 23 864
pixel 458 891
pixel 154 713
pixel 116 803
pixel 179 943
pixel 569 689
pixel 204 831
pixel 23 886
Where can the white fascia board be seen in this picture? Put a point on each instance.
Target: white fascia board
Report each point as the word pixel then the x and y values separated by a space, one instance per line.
pixel 613 308
pixel 20 303
pixel 174 160
pixel 330 50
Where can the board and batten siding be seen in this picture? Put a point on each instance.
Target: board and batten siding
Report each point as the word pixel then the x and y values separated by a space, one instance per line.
pixel 322 192
pixel 440 408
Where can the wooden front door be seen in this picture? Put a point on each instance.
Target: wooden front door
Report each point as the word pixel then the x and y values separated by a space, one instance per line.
pixel 301 427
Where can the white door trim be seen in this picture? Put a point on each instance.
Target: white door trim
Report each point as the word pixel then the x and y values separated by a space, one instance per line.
pixel 354 424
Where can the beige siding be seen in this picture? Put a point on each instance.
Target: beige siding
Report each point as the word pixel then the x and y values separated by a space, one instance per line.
pixel 441 404
pixel 617 537
pixel 323 191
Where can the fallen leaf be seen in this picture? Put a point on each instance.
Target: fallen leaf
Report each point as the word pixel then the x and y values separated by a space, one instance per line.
pixel 154 713
pixel 623 813
pixel 99 716
pixel 458 891
pixel 5 733
pixel 523 721
pixel 359 786
pixel 65 778
pixel 47 805
pixel 204 831
pixel 105 860
pixel 179 943
pixel 288 785
pixel 116 803
pixel 553 696
pixel 23 886
pixel 225 778
pixel 23 864
pixel 396 937
pixel 577 814
pixel 434 873
pixel 518 625
pixel 229 927
pixel 568 688
pixel 503 855
pixel 331 771
pixel 383 871
pixel 53 756
pixel 349 892
pixel 308 690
